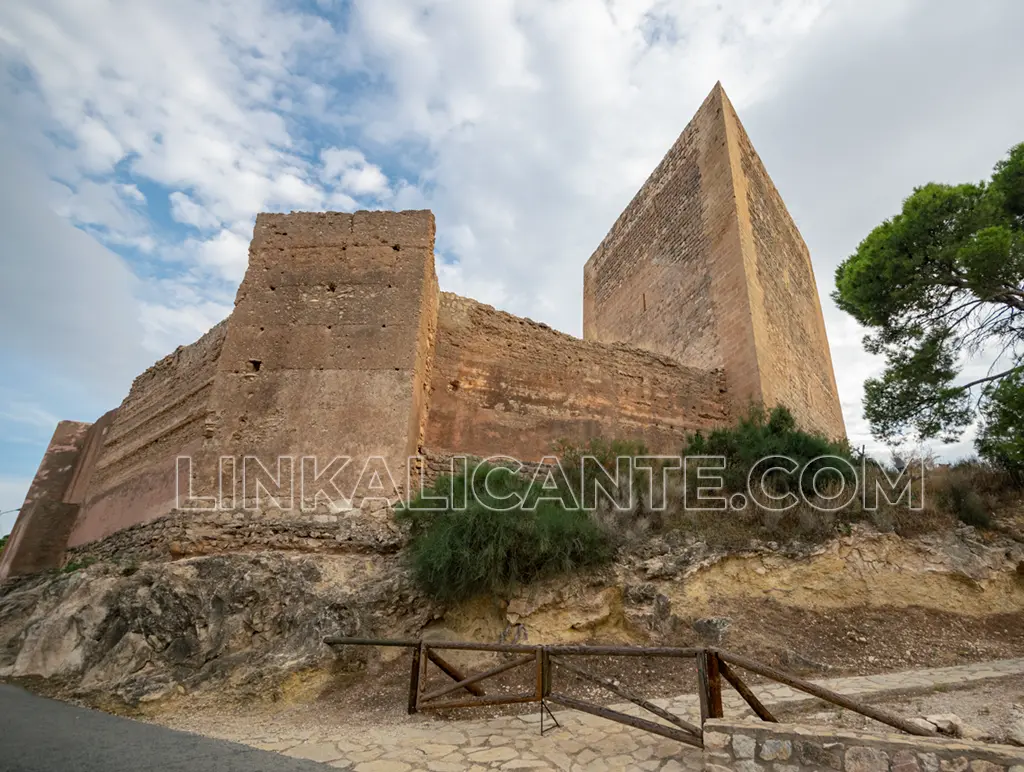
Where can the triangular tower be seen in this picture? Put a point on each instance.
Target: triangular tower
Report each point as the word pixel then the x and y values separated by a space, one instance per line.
pixel 707 267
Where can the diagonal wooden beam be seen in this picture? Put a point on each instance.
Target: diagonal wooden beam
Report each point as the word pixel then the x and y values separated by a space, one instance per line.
pixel 828 695
pixel 640 701
pixel 477 677
pixel 452 672
pixel 731 676
pixel 624 718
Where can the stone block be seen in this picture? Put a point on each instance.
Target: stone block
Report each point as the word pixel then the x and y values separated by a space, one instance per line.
pixel 776 750
pixel 905 761
pixel 959 764
pixel 866 760
pixel 743 746
pixel 820 755
pixel 716 740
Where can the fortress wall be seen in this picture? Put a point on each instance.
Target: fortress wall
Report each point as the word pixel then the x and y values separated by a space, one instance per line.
pixel 795 361
pixel 328 347
pixel 706 266
pixel 40 533
pixel 649 283
pixel 133 474
pixel 506 385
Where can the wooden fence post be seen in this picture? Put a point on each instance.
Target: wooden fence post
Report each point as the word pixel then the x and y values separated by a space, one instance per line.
pixel 709 686
pixel 414 680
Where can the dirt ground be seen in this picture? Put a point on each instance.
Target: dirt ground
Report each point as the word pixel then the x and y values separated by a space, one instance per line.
pixel 852 642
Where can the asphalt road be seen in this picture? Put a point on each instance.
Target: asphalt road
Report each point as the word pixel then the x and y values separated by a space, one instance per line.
pixel 41 735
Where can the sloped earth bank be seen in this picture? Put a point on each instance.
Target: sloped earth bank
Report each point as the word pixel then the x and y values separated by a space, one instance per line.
pixel 248 626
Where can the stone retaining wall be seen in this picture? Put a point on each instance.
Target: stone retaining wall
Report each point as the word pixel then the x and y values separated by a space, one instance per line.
pixel 748 747
pixel 185 534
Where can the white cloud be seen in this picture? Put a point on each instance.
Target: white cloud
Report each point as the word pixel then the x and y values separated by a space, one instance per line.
pixel 114 208
pixel 188 212
pixel 100 149
pixel 29 414
pixel 352 174
pixel 525 125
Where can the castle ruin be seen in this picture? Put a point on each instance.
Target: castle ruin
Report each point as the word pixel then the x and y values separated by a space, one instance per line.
pixel 700 301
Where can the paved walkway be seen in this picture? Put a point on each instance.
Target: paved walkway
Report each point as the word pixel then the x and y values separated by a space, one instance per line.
pixel 583 742
pixel 41 735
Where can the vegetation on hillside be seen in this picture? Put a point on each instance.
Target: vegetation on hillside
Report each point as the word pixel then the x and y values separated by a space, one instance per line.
pixel 498 530
pixel 759 443
pixel 478 544
pixel 940 287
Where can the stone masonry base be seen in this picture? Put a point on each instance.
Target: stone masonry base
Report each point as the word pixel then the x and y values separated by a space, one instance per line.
pixel 752 747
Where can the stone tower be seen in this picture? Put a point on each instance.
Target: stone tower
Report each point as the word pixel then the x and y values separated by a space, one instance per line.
pixel 706 266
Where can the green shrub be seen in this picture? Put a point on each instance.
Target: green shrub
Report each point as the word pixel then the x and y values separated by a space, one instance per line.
pixel 76 565
pixel 457 553
pixel 761 434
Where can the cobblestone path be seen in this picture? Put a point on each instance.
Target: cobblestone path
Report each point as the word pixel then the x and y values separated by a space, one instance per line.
pixel 583 742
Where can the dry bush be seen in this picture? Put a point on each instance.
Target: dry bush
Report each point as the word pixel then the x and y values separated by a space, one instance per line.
pixel 973 491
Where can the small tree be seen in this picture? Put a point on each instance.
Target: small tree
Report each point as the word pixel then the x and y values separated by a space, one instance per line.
pixel 1001 439
pixel 938 285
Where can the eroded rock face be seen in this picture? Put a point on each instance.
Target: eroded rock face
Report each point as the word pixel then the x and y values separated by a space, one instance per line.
pixel 247 622
pixel 250 624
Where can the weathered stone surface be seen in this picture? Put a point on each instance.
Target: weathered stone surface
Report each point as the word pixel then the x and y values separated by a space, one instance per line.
pixel 821 755
pixel 502 384
pixel 947 723
pixel 959 764
pixel 712 630
pixel 905 761
pixel 743 746
pixel 47 517
pixel 716 740
pixel 120 638
pixel 866 760
pixel 776 750
pixel 1015 731
pixel 725 284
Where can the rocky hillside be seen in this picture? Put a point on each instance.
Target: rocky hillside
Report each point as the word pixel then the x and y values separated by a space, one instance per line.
pixel 248 625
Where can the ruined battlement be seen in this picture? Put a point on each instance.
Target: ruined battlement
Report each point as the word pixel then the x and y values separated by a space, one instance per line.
pixel 700 300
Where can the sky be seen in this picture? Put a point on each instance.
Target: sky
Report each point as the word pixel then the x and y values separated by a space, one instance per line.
pixel 139 140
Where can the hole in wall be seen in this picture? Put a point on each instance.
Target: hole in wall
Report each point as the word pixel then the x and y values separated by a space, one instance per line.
pixel 397 248
pixel 453 385
pixel 255 364
pixel 272 288
pixel 331 286
pixel 643 298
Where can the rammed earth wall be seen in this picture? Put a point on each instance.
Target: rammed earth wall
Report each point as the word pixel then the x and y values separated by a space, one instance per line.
pixel 700 300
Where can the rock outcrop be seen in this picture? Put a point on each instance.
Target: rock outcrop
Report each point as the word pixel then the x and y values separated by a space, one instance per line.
pixel 248 625
pixel 142 626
